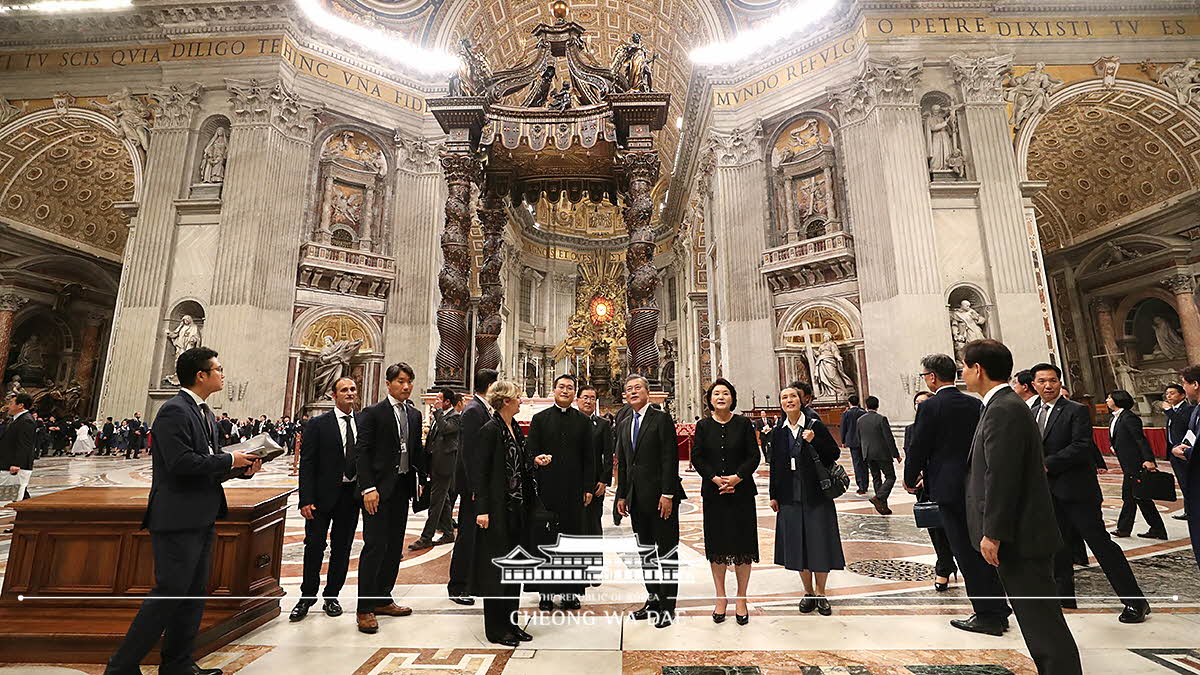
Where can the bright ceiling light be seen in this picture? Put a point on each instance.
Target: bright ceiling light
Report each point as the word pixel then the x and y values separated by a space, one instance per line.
pixel 411 55
pixel 784 25
pixel 65 6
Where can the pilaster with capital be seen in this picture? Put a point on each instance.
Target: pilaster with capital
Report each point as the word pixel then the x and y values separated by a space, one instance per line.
pixel 9 304
pixel 887 83
pixel 85 368
pixel 1183 286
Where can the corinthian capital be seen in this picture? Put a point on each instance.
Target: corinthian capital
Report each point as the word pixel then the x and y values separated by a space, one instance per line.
pixel 174 104
pixel 891 82
pixel 738 147
pixel 980 79
pixel 1180 284
pixel 415 154
pixel 269 102
pixel 11 302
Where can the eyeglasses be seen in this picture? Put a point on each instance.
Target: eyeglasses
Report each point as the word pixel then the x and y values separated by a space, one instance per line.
pixel 219 369
pixel 928 372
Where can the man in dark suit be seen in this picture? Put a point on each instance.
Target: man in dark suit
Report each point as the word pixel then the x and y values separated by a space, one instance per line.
pixel 1010 513
pixel 1178 411
pixel 1066 433
pixel 1190 379
pixel 225 427
pixel 328 497
pixel 649 492
pixel 937 460
pixel 441 444
pixel 186 500
pixel 18 441
pixel 602 446
pixel 106 437
pixel 879 451
pixel 137 436
pixel 850 439
pixel 466 484
pixel 391 462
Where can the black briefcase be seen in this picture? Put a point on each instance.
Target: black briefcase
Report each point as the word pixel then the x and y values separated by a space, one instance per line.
pixel 1156 485
pixel 927 514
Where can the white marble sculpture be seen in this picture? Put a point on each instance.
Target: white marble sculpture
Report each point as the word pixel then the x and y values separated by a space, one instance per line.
pixel 332 363
pixel 212 166
pixel 941 138
pixel 131 115
pixel 966 325
pixel 1183 79
pixel 1030 94
pixel 829 374
pixel 1168 343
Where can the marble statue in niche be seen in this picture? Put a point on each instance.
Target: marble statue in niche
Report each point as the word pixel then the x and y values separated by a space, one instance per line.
pixel 1168 343
pixel 212 163
pixel 131 115
pixel 183 337
pixel 942 141
pixel 332 363
pixel 829 374
pixel 1123 372
pixel 1030 93
pixel 966 325
pixel 31 358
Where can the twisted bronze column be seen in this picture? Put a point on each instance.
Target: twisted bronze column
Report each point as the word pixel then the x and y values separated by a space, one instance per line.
pixel 492 219
pixel 461 170
pixel 641 170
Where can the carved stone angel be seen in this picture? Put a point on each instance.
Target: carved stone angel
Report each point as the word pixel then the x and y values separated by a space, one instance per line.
pixel 1030 93
pixel 131 115
pixel 474 75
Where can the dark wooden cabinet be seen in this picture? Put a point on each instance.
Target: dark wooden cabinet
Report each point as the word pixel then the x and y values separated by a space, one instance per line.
pixel 79 565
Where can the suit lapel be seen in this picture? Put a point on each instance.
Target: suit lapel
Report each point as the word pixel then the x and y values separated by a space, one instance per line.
pixel 1055 413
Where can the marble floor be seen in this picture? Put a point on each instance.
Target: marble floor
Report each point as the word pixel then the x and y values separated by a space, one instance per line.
pixel 886 617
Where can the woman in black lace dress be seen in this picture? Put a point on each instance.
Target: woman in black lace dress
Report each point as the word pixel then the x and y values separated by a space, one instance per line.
pixel 725 454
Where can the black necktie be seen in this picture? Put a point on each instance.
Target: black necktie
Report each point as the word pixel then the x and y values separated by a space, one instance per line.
pixel 209 421
pixel 349 449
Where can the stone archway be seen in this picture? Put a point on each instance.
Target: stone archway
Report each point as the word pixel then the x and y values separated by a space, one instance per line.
pixel 313 332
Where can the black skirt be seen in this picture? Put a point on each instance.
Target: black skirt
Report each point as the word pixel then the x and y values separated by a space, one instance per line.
pixel 731 529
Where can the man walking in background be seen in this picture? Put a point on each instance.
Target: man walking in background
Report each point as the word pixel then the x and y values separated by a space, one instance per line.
pixel 850 439
pixel 879 451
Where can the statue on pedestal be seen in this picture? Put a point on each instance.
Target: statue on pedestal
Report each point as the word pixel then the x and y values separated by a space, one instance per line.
pixel 829 375
pixel 966 325
pixel 941 139
pixel 1030 93
pixel 212 164
pixel 1168 343
pixel 332 363
pixel 631 65
pixel 185 336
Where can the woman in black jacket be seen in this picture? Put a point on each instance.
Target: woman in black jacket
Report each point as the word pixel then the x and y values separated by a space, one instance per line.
pixel 806 528
pixel 725 454
pixel 1134 453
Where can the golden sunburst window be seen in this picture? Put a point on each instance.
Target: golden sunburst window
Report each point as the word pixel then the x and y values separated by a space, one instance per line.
pixel 602 309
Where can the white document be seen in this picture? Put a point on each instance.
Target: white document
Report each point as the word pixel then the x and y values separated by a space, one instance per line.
pixel 261 446
pixel 1189 438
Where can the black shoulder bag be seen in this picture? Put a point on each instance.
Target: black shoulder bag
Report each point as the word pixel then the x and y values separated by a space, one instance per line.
pixel 831 478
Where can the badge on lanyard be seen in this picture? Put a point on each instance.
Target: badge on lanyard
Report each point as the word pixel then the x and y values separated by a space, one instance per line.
pixel 794 467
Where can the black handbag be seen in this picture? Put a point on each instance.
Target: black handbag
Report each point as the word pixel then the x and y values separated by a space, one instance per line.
pixel 1156 485
pixel 927 515
pixel 831 478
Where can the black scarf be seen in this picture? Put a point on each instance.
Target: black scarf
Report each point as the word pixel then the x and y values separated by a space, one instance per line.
pixel 518 466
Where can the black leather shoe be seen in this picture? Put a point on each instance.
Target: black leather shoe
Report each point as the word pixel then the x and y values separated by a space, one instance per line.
pixel 1153 535
pixel 664 619
pixel 976 625
pixel 823 607
pixel 571 602
pixel 642 613
pixel 446 538
pixel 546 604
pixel 521 635
pixel 508 640
pixel 742 619
pixel 1134 613
pixel 462 600
pixel 301 609
pixel 1119 534
pixel 420 544
pixel 1179 516
pixel 332 607
pixel 808 603
pixel 191 670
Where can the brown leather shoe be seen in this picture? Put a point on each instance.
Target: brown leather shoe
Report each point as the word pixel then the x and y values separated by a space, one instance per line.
pixel 367 623
pixel 393 610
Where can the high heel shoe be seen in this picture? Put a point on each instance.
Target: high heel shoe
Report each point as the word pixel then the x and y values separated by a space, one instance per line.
pixel 718 618
pixel 742 619
pixel 942 587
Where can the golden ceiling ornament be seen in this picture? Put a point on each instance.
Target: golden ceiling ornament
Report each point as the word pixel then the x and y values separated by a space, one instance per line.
pixel 601 309
pixel 826 319
pixel 338 327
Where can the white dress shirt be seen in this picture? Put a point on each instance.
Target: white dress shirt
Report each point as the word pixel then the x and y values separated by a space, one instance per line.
pixel 796 429
pixel 1112 425
pixel 987 398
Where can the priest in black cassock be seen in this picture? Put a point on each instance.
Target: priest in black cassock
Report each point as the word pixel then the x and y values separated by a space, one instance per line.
pixel 567 484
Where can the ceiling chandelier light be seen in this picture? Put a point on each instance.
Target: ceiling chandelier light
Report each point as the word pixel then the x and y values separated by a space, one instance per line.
pixel 782 26
pixel 65 6
pixel 411 55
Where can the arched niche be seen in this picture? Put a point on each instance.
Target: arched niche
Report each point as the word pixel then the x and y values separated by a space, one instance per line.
pixel 970 315
pixel 182 329
pixel 943 136
pixel 803 181
pixel 209 163
pixel 809 333
pixel 41 350
pixel 321 335
pixel 351 192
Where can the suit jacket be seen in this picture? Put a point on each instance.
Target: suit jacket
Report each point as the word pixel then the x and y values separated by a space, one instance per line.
pixel 1177 423
pixel 377 450
pixel 442 443
pixel 782 477
pixel 1008 495
pixel 185 490
pixel 604 445
pixel 1070 453
pixel 323 460
pixel 850 417
pixel 875 435
pixel 107 430
pixel 713 456
pixel 940 443
pixel 648 469
pixel 17 443
pixel 1130 444
pixel 466 476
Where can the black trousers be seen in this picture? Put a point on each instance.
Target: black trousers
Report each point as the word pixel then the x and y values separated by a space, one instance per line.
pixel 652 530
pixel 462 559
pixel 944 565
pixel 181 567
pixel 1193 521
pixel 884 475
pixel 383 549
pixel 593 515
pixel 1180 467
pixel 343 516
pixel 1029 583
pixel 862 475
pixel 1130 506
pixel 441 503
pixel 983 584
pixel 1085 519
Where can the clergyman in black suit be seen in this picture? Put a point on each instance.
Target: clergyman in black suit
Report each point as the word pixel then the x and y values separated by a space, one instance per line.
pixel 1178 411
pixel 18 439
pixel 466 484
pixel 441 444
pixel 649 492
pixel 603 446
pixel 1010 513
pixel 328 498
pixel 186 500
pixel 137 436
pixel 1133 452
pixel 937 461
pixel 1066 430
pixel 390 462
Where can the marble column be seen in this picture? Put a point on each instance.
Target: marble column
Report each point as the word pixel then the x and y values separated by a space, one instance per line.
pixel 250 320
pixel 461 169
pixel 890 215
pixel 146 268
pixel 1183 285
pixel 1017 305
pixel 419 200
pixel 9 304
pixel 737 231
pixel 89 350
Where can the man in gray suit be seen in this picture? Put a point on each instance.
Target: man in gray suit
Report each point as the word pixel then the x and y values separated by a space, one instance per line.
pixel 1010 515
pixel 878 450
pixel 442 445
